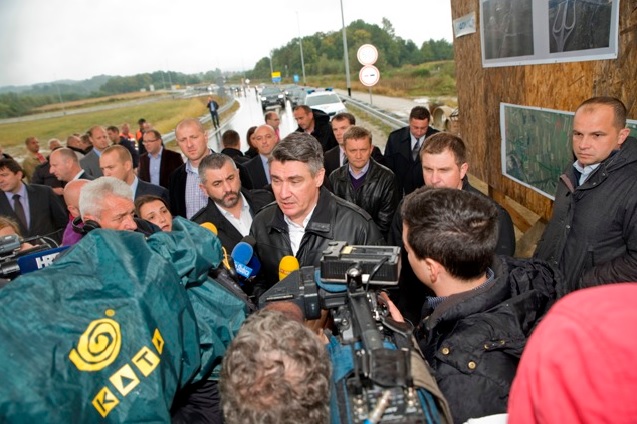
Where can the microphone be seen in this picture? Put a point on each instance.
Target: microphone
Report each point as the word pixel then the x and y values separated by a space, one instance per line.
pixel 38 260
pixel 288 265
pixel 246 262
pixel 211 227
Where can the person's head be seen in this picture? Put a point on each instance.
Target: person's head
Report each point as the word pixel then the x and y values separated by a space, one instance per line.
pixel 341 122
pixel 125 128
pixel 113 134
pixel 116 161
pixel 32 144
pixel 265 139
pixel 297 173
pixel 419 118
pixel 85 140
pixel 250 137
pixel 10 175
pixel 109 202
pixel 451 228
pixel 272 119
pixel 192 139
pixel 152 141
pixel 304 117
pixel 99 138
pixel 74 141
pixel 72 196
pixel 599 127
pixel 54 143
pixel 357 144
pixel 230 139
pixel 8 226
pixel 275 370
pixel 63 163
pixel 140 123
pixel 220 180
pixel 444 161
pixel 154 209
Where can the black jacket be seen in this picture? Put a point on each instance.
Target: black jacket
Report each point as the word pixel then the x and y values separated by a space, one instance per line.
pixel 378 195
pixel 252 173
pixel 411 292
pixel 333 219
pixel 592 236
pixel 473 340
pixel 398 158
pixel 227 233
pixel 322 130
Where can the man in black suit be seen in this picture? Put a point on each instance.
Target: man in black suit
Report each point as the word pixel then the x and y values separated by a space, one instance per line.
pixel 231 143
pixel 316 123
pixel 65 165
pixel 403 147
pixel 38 211
pixel 230 208
pixel 257 170
pixel 116 161
pixel 155 154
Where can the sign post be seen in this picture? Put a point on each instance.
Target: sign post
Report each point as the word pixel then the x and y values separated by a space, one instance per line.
pixel 369 75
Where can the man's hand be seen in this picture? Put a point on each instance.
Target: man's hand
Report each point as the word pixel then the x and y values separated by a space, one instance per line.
pixel 393 310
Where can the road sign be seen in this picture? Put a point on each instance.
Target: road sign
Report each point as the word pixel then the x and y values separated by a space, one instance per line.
pixel 276 77
pixel 367 54
pixel 369 75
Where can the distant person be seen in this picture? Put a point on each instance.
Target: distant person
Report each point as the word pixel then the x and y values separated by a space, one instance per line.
pixel 316 123
pixel 117 139
pixel 74 143
pixel 100 141
pixel 116 161
pixel 38 211
pixel 72 200
pixel 125 133
pixel 272 119
pixel 154 209
pixel 87 146
pixel 577 366
pixel 252 150
pixel 139 135
pixel 365 182
pixel 230 207
pixel 158 162
pixel 65 165
pixel 592 236
pixel 231 143
pixel 258 168
pixel 213 107
pixel 186 197
pixel 403 147
pixel 33 157
pixel 335 157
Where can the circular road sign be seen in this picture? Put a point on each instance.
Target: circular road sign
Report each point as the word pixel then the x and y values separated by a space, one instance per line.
pixel 367 54
pixel 369 75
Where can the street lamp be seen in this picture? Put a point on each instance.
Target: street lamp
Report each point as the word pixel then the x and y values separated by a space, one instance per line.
pixel 345 53
pixel 301 46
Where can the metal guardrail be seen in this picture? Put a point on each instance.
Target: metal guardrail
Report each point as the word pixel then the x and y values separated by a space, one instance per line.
pixel 386 117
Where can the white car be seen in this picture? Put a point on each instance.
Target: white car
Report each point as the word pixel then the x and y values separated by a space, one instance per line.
pixel 327 101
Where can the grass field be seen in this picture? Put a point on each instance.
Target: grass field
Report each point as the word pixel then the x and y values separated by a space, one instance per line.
pixel 162 114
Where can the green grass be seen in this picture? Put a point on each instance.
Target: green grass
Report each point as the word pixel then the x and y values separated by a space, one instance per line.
pixel 163 115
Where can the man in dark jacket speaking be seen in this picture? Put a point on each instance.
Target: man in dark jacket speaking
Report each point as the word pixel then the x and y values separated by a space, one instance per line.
pixel 474 328
pixel 592 236
pixel 305 217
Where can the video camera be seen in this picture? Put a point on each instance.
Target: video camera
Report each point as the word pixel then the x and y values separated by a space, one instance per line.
pixel 377 381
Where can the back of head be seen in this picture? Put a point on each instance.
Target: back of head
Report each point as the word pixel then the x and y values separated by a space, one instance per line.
pixel 456 228
pixel 301 147
pixel 93 194
pixel 275 371
pixel 71 195
pixel 230 138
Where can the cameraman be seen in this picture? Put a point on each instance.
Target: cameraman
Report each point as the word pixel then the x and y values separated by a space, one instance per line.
pixel 485 306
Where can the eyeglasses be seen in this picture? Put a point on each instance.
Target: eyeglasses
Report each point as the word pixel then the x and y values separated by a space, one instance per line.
pixel 151 141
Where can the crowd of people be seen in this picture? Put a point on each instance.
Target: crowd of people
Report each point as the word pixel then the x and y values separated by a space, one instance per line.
pixel 483 320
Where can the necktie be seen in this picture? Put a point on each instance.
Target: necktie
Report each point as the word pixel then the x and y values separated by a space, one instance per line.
pixel 19 210
pixel 415 150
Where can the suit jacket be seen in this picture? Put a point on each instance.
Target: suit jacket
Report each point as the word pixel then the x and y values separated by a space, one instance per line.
pixel 398 158
pixel 48 213
pixel 91 164
pixel 177 191
pixel 144 188
pixel 254 173
pixel 170 161
pixel 227 233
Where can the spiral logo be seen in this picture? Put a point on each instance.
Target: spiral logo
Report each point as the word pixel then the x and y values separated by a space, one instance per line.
pixel 98 346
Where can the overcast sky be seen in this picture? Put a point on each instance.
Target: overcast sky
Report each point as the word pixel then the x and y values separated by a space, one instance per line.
pixel 46 40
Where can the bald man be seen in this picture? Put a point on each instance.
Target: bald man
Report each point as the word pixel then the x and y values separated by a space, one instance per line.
pixel 72 200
